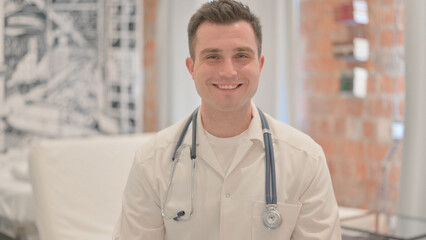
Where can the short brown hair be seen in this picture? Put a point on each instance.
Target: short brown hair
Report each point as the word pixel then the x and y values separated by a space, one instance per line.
pixel 223 12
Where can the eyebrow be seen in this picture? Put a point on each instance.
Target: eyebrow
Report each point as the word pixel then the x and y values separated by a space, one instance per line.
pixel 210 50
pixel 244 49
pixel 217 50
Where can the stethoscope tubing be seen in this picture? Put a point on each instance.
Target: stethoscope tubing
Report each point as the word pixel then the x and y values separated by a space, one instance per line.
pixel 175 160
pixel 194 135
pixel 270 181
pixel 192 119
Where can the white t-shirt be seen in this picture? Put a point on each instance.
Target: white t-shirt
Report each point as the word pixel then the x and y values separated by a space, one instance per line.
pixel 225 148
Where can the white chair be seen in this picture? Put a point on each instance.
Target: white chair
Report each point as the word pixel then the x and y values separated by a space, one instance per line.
pixel 78 185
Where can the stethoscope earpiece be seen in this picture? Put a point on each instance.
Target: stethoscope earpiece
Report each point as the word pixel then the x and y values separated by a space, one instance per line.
pixel 179 215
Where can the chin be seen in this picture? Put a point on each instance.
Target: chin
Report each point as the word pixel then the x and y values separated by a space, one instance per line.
pixel 232 107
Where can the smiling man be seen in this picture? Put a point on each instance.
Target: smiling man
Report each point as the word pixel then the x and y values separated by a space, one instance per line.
pixel 225 65
pixel 236 173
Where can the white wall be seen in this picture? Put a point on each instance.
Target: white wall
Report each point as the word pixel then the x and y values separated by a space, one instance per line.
pixel 176 92
pixel 412 197
pixel 177 95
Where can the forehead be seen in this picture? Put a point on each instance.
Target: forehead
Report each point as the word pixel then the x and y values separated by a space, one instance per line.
pixel 237 34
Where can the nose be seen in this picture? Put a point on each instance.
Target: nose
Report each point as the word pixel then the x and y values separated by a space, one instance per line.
pixel 227 69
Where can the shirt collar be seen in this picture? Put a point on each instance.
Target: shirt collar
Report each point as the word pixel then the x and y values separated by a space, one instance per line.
pixel 255 131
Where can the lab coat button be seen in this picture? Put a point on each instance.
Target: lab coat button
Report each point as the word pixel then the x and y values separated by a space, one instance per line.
pixel 227 195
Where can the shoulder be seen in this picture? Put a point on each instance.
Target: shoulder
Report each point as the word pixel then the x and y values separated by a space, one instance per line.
pixel 284 134
pixel 160 144
pixel 299 154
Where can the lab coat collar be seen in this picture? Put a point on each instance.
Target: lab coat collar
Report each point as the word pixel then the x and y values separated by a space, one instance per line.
pixel 255 132
pixel 206 152
pixel 254 139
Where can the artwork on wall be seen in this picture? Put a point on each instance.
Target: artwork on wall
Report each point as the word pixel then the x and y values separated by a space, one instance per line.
pixel 68 68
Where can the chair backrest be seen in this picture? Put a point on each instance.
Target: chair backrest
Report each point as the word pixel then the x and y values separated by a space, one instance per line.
pixel 78 184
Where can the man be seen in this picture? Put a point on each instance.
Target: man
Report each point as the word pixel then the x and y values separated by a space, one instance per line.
pixel 223 197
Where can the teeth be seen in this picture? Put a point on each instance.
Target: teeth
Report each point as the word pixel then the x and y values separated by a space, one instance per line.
pixel 227 86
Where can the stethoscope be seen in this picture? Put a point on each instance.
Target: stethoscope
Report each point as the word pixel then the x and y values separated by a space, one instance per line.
pixel 271 217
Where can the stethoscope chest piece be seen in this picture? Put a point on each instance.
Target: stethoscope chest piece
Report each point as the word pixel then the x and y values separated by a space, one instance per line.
pixel 271 217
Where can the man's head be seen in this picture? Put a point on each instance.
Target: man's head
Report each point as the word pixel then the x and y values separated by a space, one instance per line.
pixel 225 61
pixel 223 12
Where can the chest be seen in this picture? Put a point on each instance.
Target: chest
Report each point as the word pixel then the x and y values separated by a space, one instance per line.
pixel 225 206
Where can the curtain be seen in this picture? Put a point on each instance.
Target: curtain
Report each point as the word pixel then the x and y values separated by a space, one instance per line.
pixel 412 196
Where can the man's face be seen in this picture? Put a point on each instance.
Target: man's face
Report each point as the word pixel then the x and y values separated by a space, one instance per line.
pixel 227 66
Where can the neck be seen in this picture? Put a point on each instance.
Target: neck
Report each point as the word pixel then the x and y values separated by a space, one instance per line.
pixel 226 124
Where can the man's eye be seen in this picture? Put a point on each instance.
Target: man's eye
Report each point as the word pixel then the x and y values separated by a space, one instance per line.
pixel 212 57
pixel 242 56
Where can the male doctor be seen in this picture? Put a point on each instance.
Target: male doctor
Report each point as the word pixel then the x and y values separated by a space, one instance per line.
pixel 223 197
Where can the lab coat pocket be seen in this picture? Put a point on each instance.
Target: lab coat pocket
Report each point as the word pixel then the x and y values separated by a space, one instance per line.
pixel 289 214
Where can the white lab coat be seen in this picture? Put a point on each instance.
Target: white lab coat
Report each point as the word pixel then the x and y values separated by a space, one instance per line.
pixel 229 206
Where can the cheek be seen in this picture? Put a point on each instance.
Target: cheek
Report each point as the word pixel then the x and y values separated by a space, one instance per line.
pixel 199 81
pixel 202 73
pixel 254 80
pixel 253 86
pixel 251 73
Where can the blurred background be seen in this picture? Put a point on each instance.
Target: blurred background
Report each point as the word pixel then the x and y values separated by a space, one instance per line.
pixel 350 73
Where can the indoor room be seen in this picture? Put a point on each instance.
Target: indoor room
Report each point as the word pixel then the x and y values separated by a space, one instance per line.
pixel 100 101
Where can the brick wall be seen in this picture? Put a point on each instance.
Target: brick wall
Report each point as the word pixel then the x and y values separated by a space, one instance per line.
pixel 355 132
pixel 149 62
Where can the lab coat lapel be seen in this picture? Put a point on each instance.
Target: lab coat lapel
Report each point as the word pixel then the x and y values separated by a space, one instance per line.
pixel 206 153
pixel 254 134
pixel 204 150
pixel 242 151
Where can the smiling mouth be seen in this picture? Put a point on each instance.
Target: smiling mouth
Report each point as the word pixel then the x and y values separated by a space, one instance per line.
pixel 227 87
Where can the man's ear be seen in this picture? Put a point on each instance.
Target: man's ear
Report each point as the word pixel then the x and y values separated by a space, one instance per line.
pixel 190 66
pixel 261 62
